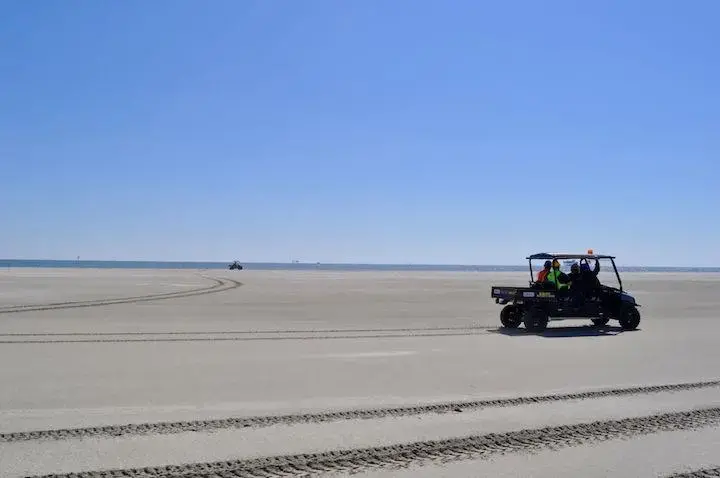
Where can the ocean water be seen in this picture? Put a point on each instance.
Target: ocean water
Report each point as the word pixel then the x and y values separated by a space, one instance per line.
pixel 303 266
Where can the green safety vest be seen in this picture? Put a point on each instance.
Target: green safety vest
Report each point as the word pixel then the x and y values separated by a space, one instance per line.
pixel 553 277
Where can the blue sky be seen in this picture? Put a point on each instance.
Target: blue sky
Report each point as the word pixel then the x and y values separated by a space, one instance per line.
pixel 335 131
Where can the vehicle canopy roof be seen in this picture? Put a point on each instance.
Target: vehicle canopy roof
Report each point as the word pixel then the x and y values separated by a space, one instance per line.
pixel 559 256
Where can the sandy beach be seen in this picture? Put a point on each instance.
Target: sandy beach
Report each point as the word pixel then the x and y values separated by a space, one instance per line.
pixel 400 373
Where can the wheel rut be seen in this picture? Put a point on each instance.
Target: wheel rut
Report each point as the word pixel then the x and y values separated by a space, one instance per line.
pixel 371 413
pixel 224 338
pixel 248 332
pixel 701 473
pixel 425 452
pixel 220 285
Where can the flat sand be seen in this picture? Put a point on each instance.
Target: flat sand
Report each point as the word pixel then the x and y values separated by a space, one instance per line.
pixel 94 348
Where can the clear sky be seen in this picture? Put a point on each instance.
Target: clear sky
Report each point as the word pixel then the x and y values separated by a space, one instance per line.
pixel 447 131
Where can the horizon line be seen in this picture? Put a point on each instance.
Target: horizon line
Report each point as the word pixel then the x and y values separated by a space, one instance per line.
pixel 401 264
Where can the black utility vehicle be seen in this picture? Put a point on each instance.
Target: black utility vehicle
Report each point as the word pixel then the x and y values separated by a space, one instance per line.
pixel 540 302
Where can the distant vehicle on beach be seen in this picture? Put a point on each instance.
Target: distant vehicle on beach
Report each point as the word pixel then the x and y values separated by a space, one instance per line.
pixel 235 266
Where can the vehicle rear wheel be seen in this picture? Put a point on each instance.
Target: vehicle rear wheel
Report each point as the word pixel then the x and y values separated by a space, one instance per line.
pixel 535 320
pixel 629 318
pixel 601 321
pixel 511 316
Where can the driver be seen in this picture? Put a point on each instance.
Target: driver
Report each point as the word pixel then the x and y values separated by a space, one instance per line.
pixel 591 276
pixel 582 277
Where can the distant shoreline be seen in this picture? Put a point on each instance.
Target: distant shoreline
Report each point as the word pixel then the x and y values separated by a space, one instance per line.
pixel 303 266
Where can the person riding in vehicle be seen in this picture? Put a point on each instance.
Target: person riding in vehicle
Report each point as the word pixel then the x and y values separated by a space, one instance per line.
pixel 558 277
pixel 584 281
pixel 574 276
pixel 542 275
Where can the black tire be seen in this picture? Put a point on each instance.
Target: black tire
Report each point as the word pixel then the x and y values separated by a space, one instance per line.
pixel 629 318
pixel 511 316
pixel 600 322
pixel 535 320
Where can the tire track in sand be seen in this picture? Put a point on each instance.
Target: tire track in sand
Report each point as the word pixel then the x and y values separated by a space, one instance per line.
pixel 249 332
pixel 372 413
pixel 702 473
pixel 220 338
pixel 221 285
pixel 424 452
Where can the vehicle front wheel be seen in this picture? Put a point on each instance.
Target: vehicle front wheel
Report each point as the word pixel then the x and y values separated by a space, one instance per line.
pixel 511 316
pixel 629 318
pixel 601 321
pixel 535 319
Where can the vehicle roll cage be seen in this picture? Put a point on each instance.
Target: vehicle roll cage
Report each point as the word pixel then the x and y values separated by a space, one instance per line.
pixel 546 256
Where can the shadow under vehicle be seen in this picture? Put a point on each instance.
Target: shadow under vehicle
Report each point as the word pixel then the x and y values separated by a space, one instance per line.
pixel 235 266
pixel 534 306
